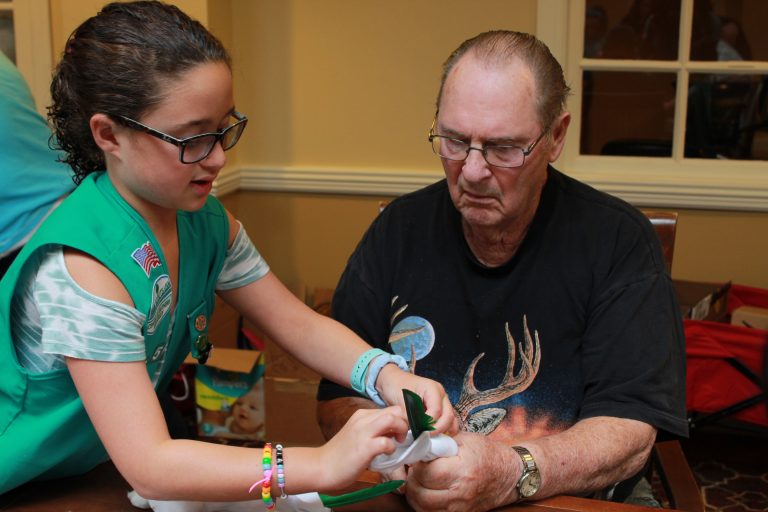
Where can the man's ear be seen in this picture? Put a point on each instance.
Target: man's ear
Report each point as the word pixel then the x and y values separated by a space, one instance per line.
pixel 103 131
pixel 559 129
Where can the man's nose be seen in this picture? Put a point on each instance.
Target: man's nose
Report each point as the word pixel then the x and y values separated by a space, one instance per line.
pixel 475 167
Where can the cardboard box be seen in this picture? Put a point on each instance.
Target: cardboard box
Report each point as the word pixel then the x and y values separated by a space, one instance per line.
pixel 229 395
pixel 702 301
pixel 289 387
pixel 292 412
pixel 750 316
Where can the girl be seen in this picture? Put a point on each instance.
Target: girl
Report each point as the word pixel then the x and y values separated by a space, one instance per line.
pixel 96 316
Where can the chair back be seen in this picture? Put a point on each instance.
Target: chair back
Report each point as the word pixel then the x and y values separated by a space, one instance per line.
pixel 665 224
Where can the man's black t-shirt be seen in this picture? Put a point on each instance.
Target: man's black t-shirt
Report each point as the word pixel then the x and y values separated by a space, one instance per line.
pixel 585 311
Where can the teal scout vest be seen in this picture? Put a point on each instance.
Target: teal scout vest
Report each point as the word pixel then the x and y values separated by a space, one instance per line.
pixel 44 429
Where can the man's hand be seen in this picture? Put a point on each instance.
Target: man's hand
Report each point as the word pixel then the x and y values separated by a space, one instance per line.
pixel 397 474
pixel 480 477
pixel 391 382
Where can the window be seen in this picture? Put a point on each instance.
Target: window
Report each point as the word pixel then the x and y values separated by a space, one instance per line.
pixel 25 37
pixel 669 103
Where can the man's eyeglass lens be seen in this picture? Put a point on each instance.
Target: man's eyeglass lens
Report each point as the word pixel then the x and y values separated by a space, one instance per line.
pixel 499 156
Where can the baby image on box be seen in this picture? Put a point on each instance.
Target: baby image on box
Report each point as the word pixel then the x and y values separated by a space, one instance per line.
pixel 247 415
pixel 230 404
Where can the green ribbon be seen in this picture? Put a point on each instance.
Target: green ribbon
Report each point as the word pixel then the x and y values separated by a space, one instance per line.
pixel 361 495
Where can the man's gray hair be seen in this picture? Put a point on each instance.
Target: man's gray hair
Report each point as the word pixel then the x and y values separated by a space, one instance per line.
pixel 500 47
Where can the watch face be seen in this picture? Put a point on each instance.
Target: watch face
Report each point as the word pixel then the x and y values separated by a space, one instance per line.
pixel 529 484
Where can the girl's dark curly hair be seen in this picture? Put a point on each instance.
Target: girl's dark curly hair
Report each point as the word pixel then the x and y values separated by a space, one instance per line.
pixel 116 63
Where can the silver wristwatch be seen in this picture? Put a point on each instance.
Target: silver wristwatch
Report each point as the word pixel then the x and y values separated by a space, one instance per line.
pixel 530 480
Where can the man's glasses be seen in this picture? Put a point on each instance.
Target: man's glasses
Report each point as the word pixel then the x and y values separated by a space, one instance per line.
pixel 495 154
pixel 197 147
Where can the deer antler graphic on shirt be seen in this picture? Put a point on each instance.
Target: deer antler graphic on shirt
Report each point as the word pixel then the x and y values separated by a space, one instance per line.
pixel 486 420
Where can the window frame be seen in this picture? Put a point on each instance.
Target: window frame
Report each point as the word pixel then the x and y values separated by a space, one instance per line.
pixel 674 182
pixel 33 46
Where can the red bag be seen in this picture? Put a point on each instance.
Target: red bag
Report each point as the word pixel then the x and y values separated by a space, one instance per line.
pixel 714 351
pixel 741 295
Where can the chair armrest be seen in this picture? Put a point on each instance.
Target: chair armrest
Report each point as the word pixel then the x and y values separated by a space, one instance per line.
pixel 676 476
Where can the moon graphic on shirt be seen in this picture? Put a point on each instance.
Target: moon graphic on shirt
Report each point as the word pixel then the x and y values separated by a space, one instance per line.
pixel 412 332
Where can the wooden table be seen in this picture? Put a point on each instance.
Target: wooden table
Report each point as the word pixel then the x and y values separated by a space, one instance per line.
pixel 103 489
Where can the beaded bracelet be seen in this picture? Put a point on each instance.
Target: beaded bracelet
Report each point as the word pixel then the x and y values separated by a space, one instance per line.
pixel 266 493
pixel 280 470
pixel 266 482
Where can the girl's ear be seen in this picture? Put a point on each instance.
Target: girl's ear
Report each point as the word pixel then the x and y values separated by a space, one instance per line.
pixel 103 131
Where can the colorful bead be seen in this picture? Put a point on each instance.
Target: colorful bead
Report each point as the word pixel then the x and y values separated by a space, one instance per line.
pixel 280 470
pixel 266 482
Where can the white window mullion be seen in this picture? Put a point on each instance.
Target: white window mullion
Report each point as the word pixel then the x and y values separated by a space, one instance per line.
pixel 648 66
pixel 681 115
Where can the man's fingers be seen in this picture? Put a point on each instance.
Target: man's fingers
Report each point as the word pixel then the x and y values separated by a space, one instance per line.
pixel 397 474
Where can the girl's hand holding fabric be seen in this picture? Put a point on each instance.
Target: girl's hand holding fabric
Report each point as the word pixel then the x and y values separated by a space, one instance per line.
pixel 369 432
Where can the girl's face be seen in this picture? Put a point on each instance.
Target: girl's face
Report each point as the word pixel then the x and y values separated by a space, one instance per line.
pixel 148 172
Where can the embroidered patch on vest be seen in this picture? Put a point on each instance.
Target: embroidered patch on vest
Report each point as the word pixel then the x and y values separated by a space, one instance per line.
pixel 161 302
pixel 146 257
pixel 158 353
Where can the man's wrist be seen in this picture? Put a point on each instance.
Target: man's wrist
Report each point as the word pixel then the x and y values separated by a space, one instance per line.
pixel 529 482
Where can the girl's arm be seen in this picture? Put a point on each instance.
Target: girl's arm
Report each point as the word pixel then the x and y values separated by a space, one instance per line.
pixel 325 345
pixel 329 347
pixel 123 407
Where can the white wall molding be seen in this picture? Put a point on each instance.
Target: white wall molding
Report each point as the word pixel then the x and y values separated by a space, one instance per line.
pixel 679 195
pixel 325 180
pixel 376 182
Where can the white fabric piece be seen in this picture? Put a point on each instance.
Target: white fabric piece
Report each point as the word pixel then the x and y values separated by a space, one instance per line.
pixel 423 449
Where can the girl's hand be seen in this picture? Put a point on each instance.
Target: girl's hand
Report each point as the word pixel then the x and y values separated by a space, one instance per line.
pixel 368 433
pixel 391 382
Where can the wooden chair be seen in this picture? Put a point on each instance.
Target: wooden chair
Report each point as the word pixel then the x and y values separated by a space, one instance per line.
pixel 665 224
pixel 669 463
pixel 667 458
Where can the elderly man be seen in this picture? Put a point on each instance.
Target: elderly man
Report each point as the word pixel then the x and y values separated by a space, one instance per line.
pixel 542 305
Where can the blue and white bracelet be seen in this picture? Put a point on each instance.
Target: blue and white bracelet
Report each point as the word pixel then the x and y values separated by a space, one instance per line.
pixel 357 378
pixel 366 372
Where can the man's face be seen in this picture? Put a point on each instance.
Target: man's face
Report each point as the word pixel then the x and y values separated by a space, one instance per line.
pixel 485 105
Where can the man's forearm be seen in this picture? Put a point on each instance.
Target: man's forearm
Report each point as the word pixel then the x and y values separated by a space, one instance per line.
pixel 593 454
pixel 334 414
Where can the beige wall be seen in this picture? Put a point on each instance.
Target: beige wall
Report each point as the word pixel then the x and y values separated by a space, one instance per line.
pixel 351 84
pixel 722 246
pixel 308 238
pixel 66 15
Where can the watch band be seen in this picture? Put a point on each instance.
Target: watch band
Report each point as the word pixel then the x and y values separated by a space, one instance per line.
pixel 530 479
pixel 528 463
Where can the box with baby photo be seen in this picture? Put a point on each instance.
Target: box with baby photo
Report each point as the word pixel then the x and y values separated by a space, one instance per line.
pixel 229 395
